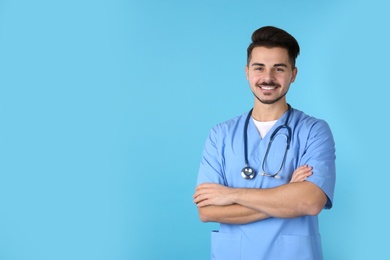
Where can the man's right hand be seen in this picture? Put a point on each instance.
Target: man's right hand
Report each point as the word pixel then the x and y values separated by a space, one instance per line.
pixel 301 173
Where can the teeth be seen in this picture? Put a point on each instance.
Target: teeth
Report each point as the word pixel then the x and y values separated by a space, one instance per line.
pixel 267 88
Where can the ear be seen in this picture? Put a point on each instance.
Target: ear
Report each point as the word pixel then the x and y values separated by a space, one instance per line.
pixel 247 72
pixel 294 74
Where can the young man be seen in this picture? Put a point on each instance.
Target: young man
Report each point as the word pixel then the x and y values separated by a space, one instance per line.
pixel 267 174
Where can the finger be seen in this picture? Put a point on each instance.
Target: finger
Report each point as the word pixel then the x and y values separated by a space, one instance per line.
pixel 301 174
pixel 202 197
pixel 297 174
pixel 198 199
pixel 199 205
pixel 303 170
pixel 300 170
pixel 198 195
pixel 203 203
pixel 207 185
pixel 202 189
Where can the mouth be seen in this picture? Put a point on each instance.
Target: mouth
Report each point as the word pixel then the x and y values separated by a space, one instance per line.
pixel 268 87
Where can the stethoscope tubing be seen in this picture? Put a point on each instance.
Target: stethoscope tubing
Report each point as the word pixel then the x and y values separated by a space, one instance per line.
pixel 288 141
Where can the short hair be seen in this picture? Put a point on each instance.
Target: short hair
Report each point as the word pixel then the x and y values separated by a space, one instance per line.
pixel 269 36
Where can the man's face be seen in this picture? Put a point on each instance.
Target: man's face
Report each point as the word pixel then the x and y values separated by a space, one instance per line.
pixel 270 73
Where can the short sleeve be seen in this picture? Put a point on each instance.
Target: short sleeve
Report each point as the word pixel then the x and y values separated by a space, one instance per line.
pixel 320 154
pixel 211 165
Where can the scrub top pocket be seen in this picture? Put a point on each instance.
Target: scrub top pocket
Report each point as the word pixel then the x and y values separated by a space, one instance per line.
pixel 225 246
pixel 300 247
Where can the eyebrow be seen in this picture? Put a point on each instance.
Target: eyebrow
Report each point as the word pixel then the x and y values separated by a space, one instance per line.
pixel 280 65
pixel 275 65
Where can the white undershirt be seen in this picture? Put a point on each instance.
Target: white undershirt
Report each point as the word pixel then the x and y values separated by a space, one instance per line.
pixel 264 127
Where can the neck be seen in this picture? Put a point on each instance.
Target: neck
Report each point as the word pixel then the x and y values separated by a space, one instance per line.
pixel 268 112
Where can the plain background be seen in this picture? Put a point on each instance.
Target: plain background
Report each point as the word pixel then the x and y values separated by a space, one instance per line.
pixel 105 107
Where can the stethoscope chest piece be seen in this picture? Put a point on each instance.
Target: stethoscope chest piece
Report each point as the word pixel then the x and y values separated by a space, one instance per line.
pixel 248 173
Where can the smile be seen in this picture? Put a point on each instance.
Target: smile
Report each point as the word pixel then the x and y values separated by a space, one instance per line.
pixel 268 87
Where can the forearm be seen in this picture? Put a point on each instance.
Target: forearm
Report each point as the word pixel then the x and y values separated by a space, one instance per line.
pixel 217 203
pixel 286 201
pixel 230 214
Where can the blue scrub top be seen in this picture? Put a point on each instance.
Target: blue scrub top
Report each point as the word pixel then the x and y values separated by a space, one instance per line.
pixel 222 161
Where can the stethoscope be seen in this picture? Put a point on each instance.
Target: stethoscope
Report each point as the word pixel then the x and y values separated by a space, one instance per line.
pixel 248 172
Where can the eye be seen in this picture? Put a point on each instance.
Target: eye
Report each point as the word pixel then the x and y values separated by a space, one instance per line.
pixel 279 69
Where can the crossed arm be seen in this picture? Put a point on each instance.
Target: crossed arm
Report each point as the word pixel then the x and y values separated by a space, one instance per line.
pixel 218 203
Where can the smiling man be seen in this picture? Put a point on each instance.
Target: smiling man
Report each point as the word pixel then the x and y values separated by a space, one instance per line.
pixel 267 174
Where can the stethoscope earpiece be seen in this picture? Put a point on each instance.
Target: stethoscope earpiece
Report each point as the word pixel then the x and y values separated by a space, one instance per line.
pixel 248 173
pixel 274 176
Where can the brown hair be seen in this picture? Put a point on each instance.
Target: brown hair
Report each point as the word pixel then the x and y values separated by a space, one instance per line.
pixel 270 36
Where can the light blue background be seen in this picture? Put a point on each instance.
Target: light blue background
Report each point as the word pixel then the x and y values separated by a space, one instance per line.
pixel 105 107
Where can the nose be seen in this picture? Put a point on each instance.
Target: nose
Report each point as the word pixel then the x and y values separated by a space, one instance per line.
pixel 268 75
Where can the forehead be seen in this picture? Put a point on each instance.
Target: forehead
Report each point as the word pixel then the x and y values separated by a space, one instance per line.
pixel 268 56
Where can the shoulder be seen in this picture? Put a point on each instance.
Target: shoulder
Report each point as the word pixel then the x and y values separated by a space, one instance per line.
pixel 311 129
pixel 227 131
pixel 230 126
pixel 223 133
pixel 305 122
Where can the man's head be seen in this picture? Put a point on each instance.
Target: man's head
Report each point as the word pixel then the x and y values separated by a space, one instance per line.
pixel 271 66
pixel 270 37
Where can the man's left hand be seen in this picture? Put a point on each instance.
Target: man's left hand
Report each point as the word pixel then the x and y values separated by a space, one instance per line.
pixel 207 194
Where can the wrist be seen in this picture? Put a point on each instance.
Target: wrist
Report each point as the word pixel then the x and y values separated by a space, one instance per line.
pixel 235 195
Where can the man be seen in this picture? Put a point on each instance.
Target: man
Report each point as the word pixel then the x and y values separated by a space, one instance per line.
pixel 267 174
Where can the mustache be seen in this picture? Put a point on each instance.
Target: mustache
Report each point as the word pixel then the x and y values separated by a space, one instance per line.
pixel 269 84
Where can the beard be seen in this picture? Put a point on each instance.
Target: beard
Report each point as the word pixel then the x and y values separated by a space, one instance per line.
pixel 271 101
